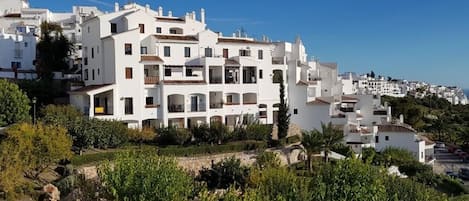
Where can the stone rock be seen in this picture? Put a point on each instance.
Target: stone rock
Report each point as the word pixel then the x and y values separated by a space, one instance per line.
pixel 51 193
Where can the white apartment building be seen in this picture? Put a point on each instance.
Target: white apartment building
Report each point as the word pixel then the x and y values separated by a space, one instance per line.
pixel 378 86
pixel 16 17
pixel 146 68
pixel 17 55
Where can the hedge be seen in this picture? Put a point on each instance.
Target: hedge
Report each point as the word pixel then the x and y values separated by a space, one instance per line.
pixel 239 146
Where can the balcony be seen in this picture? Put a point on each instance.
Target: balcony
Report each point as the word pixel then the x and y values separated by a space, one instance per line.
pixel 216 105
pixel 18 53
pixel 278 60
pixel 347 109
pixel 176 103
pixel 176 108
pixel 249 75
pixel 101 111
pixel 197 103
pixel 152 79
pixel 249 99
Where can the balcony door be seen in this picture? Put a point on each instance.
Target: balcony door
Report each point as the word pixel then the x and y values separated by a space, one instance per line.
pixel 194 103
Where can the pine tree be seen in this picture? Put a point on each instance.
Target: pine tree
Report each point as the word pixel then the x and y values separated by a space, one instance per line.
pixel 283 115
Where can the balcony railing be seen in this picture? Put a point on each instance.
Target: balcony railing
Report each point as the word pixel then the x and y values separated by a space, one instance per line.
pixel 347 109
pixel 231 103
pixel 200 108
pixel 216 105
pixel 152 79
pixel 278 60
pixel 176 108
pixel 249 102
pixel 215 80
pixel 100 111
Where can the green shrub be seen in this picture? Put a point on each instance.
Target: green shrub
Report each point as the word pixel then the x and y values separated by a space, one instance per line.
pixel 67 184
pixel 145 135
pixel 267 159
pixel 172 136
pixel 225 173
pixel 258 131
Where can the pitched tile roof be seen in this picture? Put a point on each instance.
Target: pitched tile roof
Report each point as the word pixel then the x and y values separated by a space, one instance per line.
pixel 237 40
pixel 396 128
pixel 176 37
pixel 151 58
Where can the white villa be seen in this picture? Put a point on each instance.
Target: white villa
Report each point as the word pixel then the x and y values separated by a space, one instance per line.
pixel 147 68
pixel 20 25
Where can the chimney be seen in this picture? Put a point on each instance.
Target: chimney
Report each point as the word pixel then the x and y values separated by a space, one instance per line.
pixel 193 15
pixel 160 11
pixel 170 13
pixel 389 114
pixel 202 15
pixel 401 118
pixel 116 7
pixel 147 8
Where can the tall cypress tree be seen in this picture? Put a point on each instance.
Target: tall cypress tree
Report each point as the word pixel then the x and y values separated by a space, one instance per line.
pixel 283 115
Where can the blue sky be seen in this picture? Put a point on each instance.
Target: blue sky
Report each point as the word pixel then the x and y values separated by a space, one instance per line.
pixel 411 39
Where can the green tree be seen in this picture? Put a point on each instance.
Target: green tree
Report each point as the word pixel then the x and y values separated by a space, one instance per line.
pixel 134 176
pixel 53 50
pixel 283 115
pixel 331 137
pixel 63 115
pixel 348 180
pixel 28 150
pixel 312 142
pixel 14 105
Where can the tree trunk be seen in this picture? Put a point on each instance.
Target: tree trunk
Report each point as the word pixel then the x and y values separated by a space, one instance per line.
pixel 326 156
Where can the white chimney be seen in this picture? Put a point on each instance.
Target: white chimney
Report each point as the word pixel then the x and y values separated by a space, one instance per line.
pixel 401 118
pixel 147 8
pixel 193 15
pixel 389 114
pixel 202 15
pixel 160 11
pixel 170 13
pixel 116 7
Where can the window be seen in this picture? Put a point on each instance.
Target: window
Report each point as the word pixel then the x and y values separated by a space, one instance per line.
pixel 25 44
pixel 158 29
pixel 143 50
pixel 187 52
pixel 92 74
pixel 98 71
pixel 225 53
pixel 172 31
pixel 386 138
pixel 142 28
pixel 128 49
pixel 295 111
pixel 376 139
pixel 85 74
pixel 260 74
pixel 167 72
pixel 128 73
pixel 260 55
pixel 188 72
pixel 113 28
pixel 244 53
pixel 15 65
pixel 167 51
pixel 129 106
pixel 208 52
pixel 92 52
pixel 149 101
pixel 97 49
pixel 88 29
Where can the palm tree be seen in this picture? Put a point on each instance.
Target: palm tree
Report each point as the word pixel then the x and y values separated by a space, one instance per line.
pixel 331 136
pixel 312 142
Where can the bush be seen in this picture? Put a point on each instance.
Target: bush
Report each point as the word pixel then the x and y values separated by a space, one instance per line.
pixel 267 159
pixel 258 131
pixel 394 156
pixel 143 176
pixel 225 173
pixel 67 184
pixel 14 104
pixel 145 135
pixel 343 150
pixel 63 115
pixel 172 136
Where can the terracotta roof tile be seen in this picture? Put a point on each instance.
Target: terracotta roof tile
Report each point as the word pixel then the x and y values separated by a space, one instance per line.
pixel 184 82
pixel 231 62
pixel 176 37
pixel 396 128
pixel 237 40
pixel 151 58
pixel 89 88
pixel 319 101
